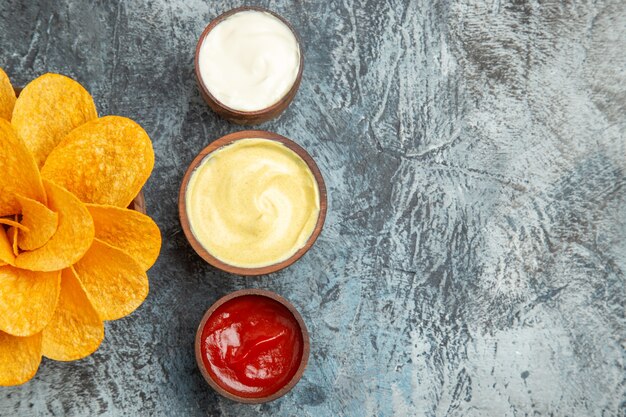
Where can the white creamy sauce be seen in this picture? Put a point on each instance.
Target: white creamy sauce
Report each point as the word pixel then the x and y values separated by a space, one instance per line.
pixel 249 61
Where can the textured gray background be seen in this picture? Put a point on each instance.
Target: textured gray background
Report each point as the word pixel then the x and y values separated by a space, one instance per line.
pixel 473 260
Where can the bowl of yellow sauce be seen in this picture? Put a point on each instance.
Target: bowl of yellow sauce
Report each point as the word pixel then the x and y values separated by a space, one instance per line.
pixel 252 202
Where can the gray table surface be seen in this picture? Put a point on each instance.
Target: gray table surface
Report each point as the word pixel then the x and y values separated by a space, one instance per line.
pixel 474 256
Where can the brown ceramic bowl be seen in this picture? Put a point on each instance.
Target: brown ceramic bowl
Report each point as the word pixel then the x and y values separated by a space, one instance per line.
pixel 306 346
pixel 138 203
pixel 226 140
pixel 247 117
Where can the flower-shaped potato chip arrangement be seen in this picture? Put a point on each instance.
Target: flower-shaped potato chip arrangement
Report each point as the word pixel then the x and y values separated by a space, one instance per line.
pixel 72 255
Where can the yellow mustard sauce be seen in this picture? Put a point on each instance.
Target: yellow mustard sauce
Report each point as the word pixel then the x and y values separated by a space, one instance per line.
pixel 252 203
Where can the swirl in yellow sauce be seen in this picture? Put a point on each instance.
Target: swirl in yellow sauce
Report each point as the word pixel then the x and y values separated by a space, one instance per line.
pixel 252 203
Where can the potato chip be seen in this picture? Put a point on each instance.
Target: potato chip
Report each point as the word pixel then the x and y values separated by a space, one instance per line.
pixel 19 358
pixel 27 299
pixel 75 330
pixel 105 161
pixel 14 223
pixel 19 173
pixel 7 96
pixel 72 239
pixel 40 221
pixel 48 108
pixel 134 233
pixel 12 233
pixel 114 282
pixel 6 250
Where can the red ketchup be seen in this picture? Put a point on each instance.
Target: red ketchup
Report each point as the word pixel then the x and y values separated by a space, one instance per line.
pixel 251 346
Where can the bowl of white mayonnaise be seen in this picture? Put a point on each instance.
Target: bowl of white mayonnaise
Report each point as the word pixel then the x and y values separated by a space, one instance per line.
pixel 248 65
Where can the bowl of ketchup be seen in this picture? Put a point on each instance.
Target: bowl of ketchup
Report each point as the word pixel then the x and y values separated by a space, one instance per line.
pixel 252 346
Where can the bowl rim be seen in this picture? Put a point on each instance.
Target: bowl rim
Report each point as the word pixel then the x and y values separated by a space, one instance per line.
pixel 227 140
pixel 306 345
pixel 256 113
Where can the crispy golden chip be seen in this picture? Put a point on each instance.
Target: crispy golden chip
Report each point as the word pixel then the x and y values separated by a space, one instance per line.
pixel 12 233
pixel 75 330
pixel 18 172
pixel 27 299
pixel 7 96
pixel 114 282
pixel 105 161
pixel 40 221
pixel 6 250
pixel 19 358
pixel 72 238
pixel 134 233
pixel 14 223
pixel 48 108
